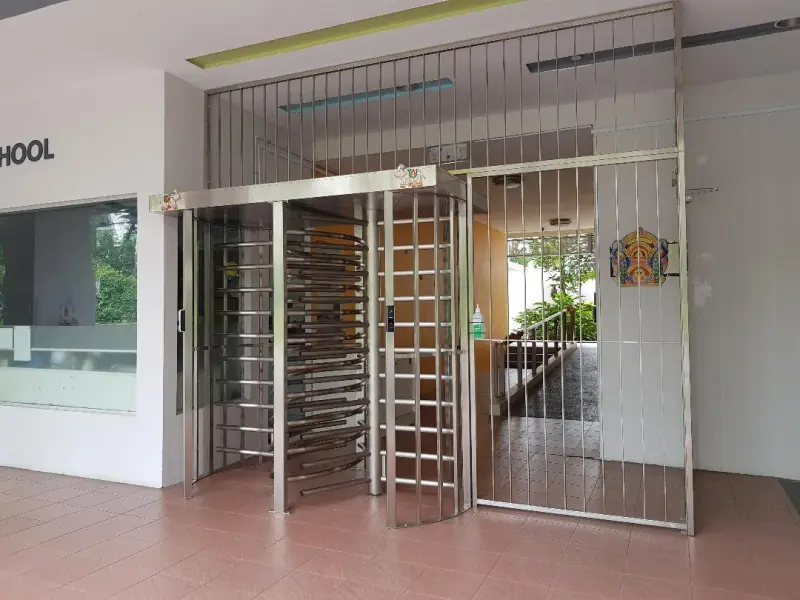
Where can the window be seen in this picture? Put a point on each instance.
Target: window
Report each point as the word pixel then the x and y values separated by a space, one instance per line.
pixel 68 307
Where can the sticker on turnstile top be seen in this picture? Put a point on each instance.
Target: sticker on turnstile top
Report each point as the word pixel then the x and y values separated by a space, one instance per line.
pixel 390 318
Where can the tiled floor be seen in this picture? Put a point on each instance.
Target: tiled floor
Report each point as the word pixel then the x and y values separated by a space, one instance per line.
pixel 562 470
pixel 63 538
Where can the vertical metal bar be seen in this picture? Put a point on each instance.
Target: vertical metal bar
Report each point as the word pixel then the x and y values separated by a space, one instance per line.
pixel 408 83
pixel 424 110
pixel 366 121
pixel 253 144
pixel 525 246
pixel 469 145
pixel 339 118
pixel 261 392
pixel 208 324
pixel 684 274
pixel 264 177
pixel 225 341
pixel 230 138
pixel 466 262
pixel 456 342
pixel 598 294
pixel 373 334
pixel 353 120
pixel 314 127
pixel 188 352
pixel 506 358
pixel 394 107
pixel 438 355
pixel 327 141
pixel 580 274
pixel 275 144
pixel 280 429
pixel 439 104
pixel 302 131
pixel 219 140
pixel 196 391
pixel 289 131
pixel 380 116
pixel 619 287
pixel 241 136
pixel 541 273
pixel 488 325
pixel 417 366
pixel 388 293
pixel 455 112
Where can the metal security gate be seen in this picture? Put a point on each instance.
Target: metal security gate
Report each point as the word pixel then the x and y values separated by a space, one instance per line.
pixel 574 133
pixel 325 338
pixel 425 349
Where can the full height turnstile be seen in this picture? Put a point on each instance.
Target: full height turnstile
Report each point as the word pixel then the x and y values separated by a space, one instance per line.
pixel 325 337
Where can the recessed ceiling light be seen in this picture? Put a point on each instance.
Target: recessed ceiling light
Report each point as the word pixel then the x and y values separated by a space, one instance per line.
pixel 792 23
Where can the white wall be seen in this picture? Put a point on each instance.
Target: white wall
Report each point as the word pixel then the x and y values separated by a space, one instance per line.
pixel 744 137
pixel 183 170
pixel 109 140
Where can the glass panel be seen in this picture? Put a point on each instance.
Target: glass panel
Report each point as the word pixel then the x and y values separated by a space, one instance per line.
pixel 68 307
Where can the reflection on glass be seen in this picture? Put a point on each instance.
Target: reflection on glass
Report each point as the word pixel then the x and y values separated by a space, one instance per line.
pixel 68 306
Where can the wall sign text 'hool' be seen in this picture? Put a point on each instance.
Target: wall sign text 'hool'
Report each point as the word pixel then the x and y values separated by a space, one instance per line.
pixel 33 151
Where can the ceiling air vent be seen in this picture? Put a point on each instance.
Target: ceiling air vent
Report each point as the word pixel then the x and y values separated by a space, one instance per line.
pixel 563 221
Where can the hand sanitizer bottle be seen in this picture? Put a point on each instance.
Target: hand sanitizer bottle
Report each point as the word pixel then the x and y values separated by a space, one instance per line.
pixel 477 324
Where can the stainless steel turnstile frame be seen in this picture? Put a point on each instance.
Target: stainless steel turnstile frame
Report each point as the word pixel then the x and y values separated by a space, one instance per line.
pixel 379 190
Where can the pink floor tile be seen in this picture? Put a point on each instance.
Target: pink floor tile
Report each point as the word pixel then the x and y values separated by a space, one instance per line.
pixel 218 591
pixel 537 549
pixel 302 586
pixel 158 587
pixel 644 588
pixel 333 563
pixel 467 560
pixel 250 577
pixel 110 580
pixel 200 568
pixel 442 583
pixel 66 570
pixel 604 584
pixel 392 575
pixel 492 589
pixel 353 590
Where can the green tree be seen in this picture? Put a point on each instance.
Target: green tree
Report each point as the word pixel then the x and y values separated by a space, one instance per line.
pixel 115 271
pixel 568 259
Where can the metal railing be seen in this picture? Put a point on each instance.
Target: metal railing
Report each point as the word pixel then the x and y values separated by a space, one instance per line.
pixel 555 332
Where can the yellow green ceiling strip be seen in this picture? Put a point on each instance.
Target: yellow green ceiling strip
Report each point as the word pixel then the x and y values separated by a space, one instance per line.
pixel 346 31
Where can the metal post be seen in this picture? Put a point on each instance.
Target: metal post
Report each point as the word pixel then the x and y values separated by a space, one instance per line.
pixel 684 276
pixel 280 438
pixel 373 342
pixel 186 324
pixel 388 282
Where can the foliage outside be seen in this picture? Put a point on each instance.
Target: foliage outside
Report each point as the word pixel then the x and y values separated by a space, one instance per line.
pixel 566 259
pixel 569 260
pixel 115 270
pixel 585 327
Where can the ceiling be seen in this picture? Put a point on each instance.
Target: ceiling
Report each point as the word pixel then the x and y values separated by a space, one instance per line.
pixel 88 38
pixel 13 8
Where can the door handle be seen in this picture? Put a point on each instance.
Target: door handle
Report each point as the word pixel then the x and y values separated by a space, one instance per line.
pixel 181 321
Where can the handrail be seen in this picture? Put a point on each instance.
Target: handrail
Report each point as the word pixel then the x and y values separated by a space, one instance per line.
pixel 545 321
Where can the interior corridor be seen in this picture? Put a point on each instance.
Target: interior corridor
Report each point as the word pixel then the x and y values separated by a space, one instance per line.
pixel 65 538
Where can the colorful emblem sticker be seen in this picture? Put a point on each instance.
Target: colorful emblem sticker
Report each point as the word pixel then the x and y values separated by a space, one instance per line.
pixel 639 258
pixel 170 201
pixel 410 177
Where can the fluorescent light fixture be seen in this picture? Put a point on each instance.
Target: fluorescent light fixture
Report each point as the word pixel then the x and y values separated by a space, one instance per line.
pixel 657 47
pixel 387 93
pixel 347 31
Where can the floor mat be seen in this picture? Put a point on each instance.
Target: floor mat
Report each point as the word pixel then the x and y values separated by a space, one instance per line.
pixel 581 390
